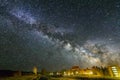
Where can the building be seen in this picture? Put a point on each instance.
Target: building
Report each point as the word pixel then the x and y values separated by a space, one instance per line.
pixel 114 71
pixel 76 71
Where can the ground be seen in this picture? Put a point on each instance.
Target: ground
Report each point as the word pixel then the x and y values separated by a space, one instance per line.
pixel 51 78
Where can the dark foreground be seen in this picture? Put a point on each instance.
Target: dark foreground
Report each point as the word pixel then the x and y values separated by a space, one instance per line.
pixel 85 78
pixel 56 78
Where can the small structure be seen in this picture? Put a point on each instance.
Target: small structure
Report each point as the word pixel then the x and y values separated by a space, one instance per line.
pixel 35 70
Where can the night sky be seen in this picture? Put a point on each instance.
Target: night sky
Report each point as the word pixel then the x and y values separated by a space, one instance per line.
pixel 57 34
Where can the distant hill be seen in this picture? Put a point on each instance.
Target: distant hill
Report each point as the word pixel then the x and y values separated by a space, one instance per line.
pixel 5 73
pixel 9 73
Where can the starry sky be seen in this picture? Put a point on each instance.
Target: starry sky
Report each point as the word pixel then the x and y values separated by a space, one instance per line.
pixel 57 34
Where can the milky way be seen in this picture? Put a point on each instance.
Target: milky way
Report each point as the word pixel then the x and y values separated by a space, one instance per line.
pixel 57 34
